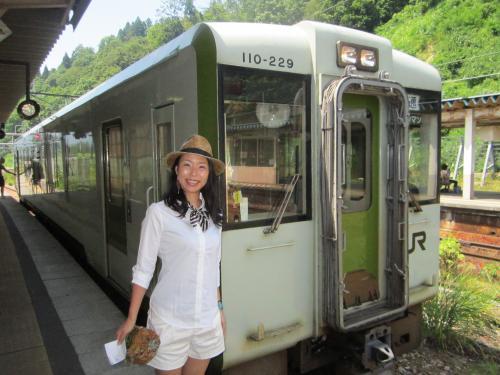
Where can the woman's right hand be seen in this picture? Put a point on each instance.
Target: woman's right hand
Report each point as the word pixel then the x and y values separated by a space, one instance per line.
pixel 122 332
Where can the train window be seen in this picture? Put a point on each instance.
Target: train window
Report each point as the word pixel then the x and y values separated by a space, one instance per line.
pixel 267 140
pixel 356 151
pixel 114 191
pixel 355 186
pixel 38 171
pixel 80 161
pixel 164 146
pixel 114 164
pixel 58 162
pixel 424 148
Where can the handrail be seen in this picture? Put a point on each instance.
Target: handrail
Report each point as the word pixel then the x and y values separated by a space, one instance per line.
pixel 147 195
pixel 284 203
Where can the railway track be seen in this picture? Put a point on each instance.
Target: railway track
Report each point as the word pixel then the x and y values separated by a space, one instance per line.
pixel 479 248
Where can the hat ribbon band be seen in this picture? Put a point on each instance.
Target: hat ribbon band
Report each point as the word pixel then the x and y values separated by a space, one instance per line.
pixel 195 150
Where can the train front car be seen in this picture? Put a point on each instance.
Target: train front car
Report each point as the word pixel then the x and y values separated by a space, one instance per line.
pixel 330 139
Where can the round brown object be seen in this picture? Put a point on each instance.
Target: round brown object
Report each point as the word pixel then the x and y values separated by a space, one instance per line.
pixel 142 344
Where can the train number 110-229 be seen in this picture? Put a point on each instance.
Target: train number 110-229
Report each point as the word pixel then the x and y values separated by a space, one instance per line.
pixel 255 58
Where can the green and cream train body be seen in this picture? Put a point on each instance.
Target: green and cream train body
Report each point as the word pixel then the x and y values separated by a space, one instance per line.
pixel 330 196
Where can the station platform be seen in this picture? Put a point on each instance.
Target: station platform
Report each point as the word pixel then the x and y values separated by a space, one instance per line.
pixel 486 201
pixel 54 319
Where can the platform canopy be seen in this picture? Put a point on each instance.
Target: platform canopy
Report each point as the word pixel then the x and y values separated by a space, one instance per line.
pixel 480 118
pixel 486 110
pixel 28 31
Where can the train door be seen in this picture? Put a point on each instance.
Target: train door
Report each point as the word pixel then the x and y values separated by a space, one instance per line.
pixel 364 179
pixel 163 141
pixel 360 219
pixel 114 201
pixel 268 235
pixel 162 132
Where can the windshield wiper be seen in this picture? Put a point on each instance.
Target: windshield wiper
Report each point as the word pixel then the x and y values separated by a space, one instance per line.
pixel 282 207
pixel 414 203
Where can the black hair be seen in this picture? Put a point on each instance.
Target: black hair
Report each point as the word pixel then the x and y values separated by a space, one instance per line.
pixel 176 200
pixel 444 166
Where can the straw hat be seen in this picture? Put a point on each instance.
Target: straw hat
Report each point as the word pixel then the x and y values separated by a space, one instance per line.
pixel 196 144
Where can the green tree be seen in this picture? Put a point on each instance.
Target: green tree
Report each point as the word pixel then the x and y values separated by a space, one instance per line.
pixel 136 28
pixel 459 37
pixel 66 61
pixel 270 11
pixel 82 56
pixel 182 10
pixel 164 30
pixel 217 11
pixel 318 10
pixel 45 73
pixel 359 14
pixel 386 8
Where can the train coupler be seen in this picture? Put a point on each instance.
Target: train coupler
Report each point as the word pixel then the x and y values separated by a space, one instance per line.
pixel 377 348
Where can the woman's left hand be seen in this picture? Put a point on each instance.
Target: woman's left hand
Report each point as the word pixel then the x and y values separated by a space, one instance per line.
pixel 223 322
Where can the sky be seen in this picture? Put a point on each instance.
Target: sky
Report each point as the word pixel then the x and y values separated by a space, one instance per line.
pixel 103 18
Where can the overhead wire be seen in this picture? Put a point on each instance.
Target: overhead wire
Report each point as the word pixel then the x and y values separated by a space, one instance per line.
pixel 322 10
pixel 469 78
pixel 60 95
pixel 468 58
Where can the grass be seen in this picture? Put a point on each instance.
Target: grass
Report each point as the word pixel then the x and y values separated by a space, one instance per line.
pixel 484 368
pixel 465 308
pixel 491 273
pixel 491 183
pixel 462 311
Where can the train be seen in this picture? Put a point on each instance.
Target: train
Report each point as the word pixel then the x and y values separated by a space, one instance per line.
pixel 330 138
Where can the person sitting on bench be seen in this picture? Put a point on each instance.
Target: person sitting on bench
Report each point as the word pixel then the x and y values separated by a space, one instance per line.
pixel 445 180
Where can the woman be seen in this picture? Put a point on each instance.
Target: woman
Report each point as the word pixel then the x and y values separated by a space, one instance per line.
pixel 184 231
pixel 445 180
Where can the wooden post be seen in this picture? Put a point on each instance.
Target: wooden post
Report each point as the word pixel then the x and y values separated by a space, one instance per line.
pixel 469 157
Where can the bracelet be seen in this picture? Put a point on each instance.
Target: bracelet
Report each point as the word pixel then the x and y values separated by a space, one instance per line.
pixel 220 305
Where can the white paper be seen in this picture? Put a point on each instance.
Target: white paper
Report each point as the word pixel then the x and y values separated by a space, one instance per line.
pixel 115 352
pixel 244 209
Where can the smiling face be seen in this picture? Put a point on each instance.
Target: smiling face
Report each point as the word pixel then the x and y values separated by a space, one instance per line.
pixel 192 174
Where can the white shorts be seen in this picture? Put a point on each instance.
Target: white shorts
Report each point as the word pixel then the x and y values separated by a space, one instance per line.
pixel 177 344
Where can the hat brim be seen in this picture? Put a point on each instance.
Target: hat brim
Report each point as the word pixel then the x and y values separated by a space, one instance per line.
pixel 171 157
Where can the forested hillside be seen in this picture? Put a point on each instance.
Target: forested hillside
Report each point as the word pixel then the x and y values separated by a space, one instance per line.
pixel 460 37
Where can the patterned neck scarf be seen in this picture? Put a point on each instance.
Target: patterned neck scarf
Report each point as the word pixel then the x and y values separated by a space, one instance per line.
pixel 198 216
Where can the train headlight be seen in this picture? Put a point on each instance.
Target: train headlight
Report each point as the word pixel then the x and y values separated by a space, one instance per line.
pixel 348 55
pixel 362 57
pixel 368 58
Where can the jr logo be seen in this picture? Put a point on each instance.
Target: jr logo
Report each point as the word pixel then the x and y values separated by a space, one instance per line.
pixel 418 237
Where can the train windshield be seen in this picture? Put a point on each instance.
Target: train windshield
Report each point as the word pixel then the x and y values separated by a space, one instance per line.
pixel 424 147
pixel 267 139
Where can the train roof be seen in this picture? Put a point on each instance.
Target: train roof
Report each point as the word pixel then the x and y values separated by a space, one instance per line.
pixel 313 48
pixel 309 43
pixel 162 53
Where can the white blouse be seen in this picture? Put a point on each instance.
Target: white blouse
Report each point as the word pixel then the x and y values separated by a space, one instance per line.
pixel 185 295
